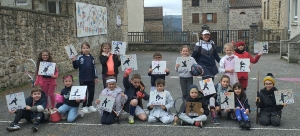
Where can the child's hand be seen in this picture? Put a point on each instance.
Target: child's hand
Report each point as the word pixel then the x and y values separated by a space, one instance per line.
pixel 139 94
pixel 53 76
pixel 167 70
pixel 163 107
pixel 28 108
pixel 122 94
pixel 217 108
pixel 97 101
pixel 257 100
pixel 12 111
pixel 260 53
pixel 150 70
pixel 73 58
pixel 96 80
pixel 247 111
pixel 127 72
pixel 151 106
pixel 202 111
pixel 284 104
pixel 177 66
pixel 229 70
pixel 78 100
pixel 227 110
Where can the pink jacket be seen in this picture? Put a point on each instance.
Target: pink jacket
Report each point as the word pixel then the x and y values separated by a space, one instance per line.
pixel 39 79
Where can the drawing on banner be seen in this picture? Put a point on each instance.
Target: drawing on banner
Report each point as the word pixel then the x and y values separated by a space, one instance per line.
pixel 129 61
pixel 77 92
pixel 106 103
pixel 242 65
pixel 284 96
pixel 46 68
pixel 207 86
pixel 185 64
pixel 157 98
pixel 90 19
pixel 159 67
pixel 261 47
pixel 71 51
pixel 15 101
pixel 193 108
pixel 227 100
pixel 118 47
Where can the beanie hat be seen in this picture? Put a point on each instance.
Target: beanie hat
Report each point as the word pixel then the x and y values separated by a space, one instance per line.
pixel 240 43
pixel 270 78
pixel 193 86
pixel 200 94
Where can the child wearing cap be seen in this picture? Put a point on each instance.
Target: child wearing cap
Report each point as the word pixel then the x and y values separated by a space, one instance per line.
pixel 241 53
pixel 270 113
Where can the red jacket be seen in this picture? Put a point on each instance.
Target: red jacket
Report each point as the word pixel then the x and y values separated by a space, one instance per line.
pixel 244 75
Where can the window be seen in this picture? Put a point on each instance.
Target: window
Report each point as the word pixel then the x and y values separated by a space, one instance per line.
pixel 54 6
pixel 265 10
pixel 268 9
pixel 195 18
pixel 195 3
pixel 295 10
pixel 209 1
pixel 209 18
pixel 279 7
pixel 21 2
pixel 242 13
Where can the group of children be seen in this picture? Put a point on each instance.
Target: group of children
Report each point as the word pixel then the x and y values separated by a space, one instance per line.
pixel 130 100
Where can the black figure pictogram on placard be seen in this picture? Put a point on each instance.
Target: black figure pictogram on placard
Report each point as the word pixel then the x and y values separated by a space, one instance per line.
pixel 105 102
pixel 192 105
pixel 77 91
pixel 242 65
pixel 14 101
pixel 226 100
pixel 157 67
pixel 126 61
pixel 282 97
pixel 205 86
pixel 71 51
pixel 45 69
pixel 158 97
pixel 265 48
pixel 117 49
pixel 184 64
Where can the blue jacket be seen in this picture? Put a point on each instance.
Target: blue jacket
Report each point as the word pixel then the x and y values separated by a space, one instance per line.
pixel 204 57
pixel 42 101
pixel 80 63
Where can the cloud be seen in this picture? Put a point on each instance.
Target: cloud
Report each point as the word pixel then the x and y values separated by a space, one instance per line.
pixel 170 7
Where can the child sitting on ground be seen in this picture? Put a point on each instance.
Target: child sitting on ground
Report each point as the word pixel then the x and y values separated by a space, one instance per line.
pixel 242 108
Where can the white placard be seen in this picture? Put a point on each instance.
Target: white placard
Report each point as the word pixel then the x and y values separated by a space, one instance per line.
pixel 15 101
pixel 71 51
pixel 185 64
pixel 46 68
pixel 159 67
pixel 227 100
pixel 261 47
pixel 242 65
pixel 77 92
pixel 157 98
pixel 284 96
pixel 118 47
pixel 129 61
pixel 207 86
pixel 106 103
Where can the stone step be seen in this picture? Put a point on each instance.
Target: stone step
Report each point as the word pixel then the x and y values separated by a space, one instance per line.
pixel 284 57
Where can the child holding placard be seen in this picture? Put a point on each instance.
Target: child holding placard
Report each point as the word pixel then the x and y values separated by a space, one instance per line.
pixel 68 108
pixel 47 83
pixel 161 112
pixel 114 91
pixel 242 107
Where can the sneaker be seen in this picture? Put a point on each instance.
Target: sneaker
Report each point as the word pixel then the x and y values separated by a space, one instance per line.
pixel 13 127
pixel 85 110
pixel 247 124
pixel 35 128
pixel 92 109
pixel 80 113
pixel 64 116
pixel 131 119
pixel 242 124
pixel 198 124
pixel 215 121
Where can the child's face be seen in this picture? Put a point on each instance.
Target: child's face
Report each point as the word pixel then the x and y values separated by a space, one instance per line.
pixel 160 87
pixel 268 85
pixel 157 58
pixel 45 56
pixel 111 85
pixel 237 91
pixel 136 82
pixel 106 49
pixel 185 52
pixel 225 82
pixel 194 93
pixel 85 49
pixel 36 96
pixel 228 51
pixel 241 47
pixel 68 82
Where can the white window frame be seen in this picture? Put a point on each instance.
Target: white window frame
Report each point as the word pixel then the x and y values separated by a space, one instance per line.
pixel 212 17
pixel 295 10
pixel 56 4
pixel 21 2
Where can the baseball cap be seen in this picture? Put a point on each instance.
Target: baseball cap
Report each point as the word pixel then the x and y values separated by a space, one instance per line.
pixel 205 32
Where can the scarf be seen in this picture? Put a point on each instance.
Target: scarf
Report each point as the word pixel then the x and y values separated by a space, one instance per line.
pixel 239 51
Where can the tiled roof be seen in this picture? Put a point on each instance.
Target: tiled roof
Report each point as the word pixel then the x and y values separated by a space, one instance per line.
pixel 244 3
pixel 153 13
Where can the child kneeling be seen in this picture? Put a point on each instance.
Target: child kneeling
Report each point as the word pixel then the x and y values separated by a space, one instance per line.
pixel 161 112
pixel 195 96
pixel 33 112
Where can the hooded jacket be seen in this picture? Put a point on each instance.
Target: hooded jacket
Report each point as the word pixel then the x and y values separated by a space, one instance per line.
pixel 200 98
pixel 42 101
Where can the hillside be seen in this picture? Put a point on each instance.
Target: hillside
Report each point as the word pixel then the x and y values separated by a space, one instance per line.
pixel 172 23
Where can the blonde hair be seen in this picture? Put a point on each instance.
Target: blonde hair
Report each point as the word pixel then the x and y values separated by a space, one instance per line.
pixel 228 45
pixel 184 46
pixel 104 44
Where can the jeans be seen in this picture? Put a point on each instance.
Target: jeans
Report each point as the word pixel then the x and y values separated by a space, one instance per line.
pixel 72 112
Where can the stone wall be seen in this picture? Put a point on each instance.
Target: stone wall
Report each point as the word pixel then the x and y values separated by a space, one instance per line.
pixel 294 52
pixel 153 26
pixel 242 21
pixel 25 32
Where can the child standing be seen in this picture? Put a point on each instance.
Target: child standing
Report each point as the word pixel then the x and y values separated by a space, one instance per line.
pixel 242 108
pixel 227 63
pixel 135 92
pixel 161 112
pixel 241 53
pixel 196 96
pixel 33 112
pixel 270 113
pixel 185 77
pixel 47 83
pixel 215 100
pixel 110 63
pixel 156 57
pixel 68 107
pixel 116 92
pixel 87 75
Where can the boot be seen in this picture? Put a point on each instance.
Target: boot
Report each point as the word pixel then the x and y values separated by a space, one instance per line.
pixel 242 124
pixel 247 124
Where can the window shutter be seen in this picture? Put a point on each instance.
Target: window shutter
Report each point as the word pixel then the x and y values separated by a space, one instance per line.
pixel 195 18
pixel 215 17
pixel 204 18
pixel 240 34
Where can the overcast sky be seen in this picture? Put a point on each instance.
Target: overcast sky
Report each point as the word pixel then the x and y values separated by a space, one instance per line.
pixel 170 7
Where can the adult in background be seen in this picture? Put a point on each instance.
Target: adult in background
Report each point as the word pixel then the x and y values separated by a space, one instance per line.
pixel 205 54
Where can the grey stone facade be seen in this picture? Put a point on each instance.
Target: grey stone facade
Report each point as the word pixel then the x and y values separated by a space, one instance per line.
pixel 240 21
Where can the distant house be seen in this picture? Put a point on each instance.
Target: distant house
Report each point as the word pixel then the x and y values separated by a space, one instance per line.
pixel 153 19
pixel 294 18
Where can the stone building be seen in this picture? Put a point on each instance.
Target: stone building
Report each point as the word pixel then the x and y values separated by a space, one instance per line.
pixel 135 15
pixel 294 18
pixel 25 32
pixel 153 19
